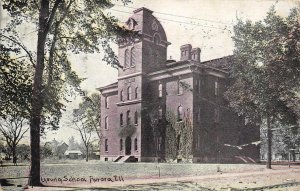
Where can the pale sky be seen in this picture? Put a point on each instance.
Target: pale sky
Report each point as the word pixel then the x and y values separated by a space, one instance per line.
pixel 202 23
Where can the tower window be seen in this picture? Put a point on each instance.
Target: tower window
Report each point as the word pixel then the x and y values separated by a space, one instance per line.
pixel 179 88
pixel 128 117
pixel 132 57
pixel 136 92
pixel 156 39
pixel 179 113
pixel 127 57
pixel 160 90
pixel 121 95
pixel 106 102
pixel 199 114
pixel 106 145
pixel 129 93
pixel 136 117
pixel 106 122
pixel 121 119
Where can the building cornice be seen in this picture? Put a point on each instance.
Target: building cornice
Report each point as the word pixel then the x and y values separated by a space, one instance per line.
pixel 130 75
pixel 129 102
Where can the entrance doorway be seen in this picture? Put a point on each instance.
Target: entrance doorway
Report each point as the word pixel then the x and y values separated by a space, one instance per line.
pixel 128 146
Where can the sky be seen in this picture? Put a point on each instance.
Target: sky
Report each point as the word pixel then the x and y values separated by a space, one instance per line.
pixel 206 24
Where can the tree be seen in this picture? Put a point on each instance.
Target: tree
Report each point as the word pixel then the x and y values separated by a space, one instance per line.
pixel 63 27
pixel 13 129
pixel 86 120
pixel 265 75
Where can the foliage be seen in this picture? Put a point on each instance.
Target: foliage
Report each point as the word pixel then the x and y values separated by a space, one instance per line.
pixel 86 120
pixel 63 27
pixel 13 129
pixel 23 151
pixel 265 76
pixel 127 131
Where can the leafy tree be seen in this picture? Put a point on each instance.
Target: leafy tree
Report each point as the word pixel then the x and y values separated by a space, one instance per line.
pixel 13 129
pixel 265 75
pixel 23 152
pixel 86 120
pixel 63 27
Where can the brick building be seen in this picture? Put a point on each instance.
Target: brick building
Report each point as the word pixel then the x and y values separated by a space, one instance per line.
pixel 166 109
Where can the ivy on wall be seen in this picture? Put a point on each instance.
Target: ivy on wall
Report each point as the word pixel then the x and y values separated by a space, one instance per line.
pixel 179 137
pixel 127 131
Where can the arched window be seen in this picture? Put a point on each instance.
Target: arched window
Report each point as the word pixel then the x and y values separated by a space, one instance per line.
pixel 136 92
pixel 126 57
pixel 121 144
pixel 128 117
pixel 135 144
pixel 121 119
pixel 199 86
pixel 179 113
pixel 136 117
pixel 121 95
pixel 156 39
pixel 132 57
pixel 160 90
pixel 179 87
pixel 106 145
pixel 106 122
pixel 129 93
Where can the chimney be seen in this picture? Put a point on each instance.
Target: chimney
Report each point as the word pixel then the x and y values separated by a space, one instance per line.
pixel 185 52
pixel 195 54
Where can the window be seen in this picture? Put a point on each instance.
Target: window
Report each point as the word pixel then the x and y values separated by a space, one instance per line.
pixel 121 144
pixel 132 57
pixel 160 113
pixel 179 113
pixel 121 119
pixel 160 90
pixel 121 95
pixel 199 114
pixel 136 92
pixel 136 117
pixel 129 93
pixel 216 88
pixel 106 145
pixel 199 86
pixel 158 143
pixel 128 117
pixel 156 39
pixel 216 115
pixel 106 122
pixel 179 88
pixel 106 102
pixel 126 61
pixel 135 144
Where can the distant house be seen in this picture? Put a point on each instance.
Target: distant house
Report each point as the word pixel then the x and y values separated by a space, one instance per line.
pixel 74 154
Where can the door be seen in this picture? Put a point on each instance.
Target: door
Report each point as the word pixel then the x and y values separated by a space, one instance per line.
pixel 128 146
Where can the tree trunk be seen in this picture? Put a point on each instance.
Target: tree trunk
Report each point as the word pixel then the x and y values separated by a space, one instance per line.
pixel 87 154
pixel 269 141
pixel 37 103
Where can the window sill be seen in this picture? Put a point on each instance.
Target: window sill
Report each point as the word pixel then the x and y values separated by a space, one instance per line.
pixel 180 94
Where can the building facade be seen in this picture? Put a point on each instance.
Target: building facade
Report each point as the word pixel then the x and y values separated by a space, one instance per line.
pixel 163 109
